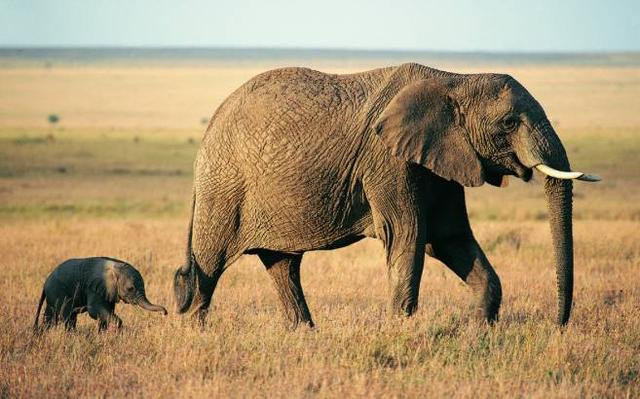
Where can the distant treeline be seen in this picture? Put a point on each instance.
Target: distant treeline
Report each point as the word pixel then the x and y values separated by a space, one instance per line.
pixel 199 55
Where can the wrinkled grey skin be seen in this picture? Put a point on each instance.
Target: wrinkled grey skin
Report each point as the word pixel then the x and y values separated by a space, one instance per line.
pixel 92 285
pixel 297 160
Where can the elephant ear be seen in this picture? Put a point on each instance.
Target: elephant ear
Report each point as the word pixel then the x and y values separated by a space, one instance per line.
pixel 105 284
pixel 423 125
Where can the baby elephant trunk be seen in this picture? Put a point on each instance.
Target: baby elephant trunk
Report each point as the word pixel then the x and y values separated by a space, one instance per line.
pixel 146 305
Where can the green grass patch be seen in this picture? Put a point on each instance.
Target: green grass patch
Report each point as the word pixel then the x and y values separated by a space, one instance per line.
pixel 93 209
pixel 34 152
pixel 150 172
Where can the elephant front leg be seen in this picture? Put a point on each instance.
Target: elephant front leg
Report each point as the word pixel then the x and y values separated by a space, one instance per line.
pixel 405 264
pixel 107 319
pixel 399 222
pixel 49 317
pixel 284 270
pixel 466 259
pixel 70 321
pixel 105 315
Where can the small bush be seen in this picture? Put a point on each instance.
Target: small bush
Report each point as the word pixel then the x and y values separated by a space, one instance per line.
pixel 53 119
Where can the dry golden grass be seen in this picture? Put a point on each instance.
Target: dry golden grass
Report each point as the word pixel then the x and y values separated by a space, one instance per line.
pixel 357 349
pixel 111 182
pixel 179 97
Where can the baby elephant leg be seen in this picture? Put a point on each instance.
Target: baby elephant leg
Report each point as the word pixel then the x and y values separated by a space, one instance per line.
pixel 57 311
pixel 70 318
pixel 107 319
pixel 49 317
pixel 63 312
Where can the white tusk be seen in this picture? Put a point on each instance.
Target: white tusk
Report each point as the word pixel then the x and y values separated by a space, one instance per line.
pixel 549 171
pixel 558 174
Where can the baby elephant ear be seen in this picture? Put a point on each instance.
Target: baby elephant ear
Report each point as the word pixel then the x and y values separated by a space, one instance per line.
pixel 423 125
pixel 105 283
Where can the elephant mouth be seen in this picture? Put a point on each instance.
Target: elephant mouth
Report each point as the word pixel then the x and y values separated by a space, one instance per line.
pixel 518 168
pixel 509 165
pixel 524 173
pixel 131 300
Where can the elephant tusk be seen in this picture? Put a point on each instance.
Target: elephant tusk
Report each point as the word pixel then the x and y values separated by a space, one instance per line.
pixel 558 174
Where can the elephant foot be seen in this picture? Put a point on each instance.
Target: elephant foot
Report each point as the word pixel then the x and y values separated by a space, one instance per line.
pixel 199 315
pixel 297 319
pixel 405 306
pixel 491 299
pixel 296 313
pixel 201 318
pixel 299 325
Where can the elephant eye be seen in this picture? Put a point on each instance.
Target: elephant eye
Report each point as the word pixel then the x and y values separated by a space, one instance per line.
pixel 510 123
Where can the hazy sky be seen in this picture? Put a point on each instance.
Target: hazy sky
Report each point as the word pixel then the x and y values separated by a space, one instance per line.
pixel 493 25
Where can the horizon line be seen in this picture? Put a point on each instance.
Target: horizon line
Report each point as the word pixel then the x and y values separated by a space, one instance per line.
pixel 317 49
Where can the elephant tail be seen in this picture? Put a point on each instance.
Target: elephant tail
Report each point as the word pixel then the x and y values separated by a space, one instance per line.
pixel 184 280
pixel 35 324
pixel 189 253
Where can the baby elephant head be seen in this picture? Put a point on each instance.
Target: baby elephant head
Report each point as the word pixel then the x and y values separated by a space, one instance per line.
pixel 128 286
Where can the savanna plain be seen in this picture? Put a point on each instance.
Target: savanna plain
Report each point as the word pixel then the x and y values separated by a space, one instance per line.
pixel 113 177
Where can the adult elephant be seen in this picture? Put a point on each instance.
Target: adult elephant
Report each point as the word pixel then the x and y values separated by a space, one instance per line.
pixel 298 160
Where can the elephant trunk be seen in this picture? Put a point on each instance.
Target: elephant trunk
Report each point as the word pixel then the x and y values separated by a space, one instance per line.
pixel 543 150
pixel 559 200
pixel 144 303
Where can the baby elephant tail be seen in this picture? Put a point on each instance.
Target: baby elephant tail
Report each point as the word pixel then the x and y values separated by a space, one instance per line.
pixel 35 324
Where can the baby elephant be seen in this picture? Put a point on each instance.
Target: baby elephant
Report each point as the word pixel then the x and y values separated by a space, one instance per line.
pixel 91 285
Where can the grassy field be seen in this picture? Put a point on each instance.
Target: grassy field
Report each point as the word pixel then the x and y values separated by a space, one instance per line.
pixel 114 178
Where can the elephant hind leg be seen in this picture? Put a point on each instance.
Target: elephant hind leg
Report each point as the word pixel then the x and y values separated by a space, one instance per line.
pixel 207 276
pixel 56 311
pixel 49 317
pixel 284 270
pixel 466 259
pixel 70 321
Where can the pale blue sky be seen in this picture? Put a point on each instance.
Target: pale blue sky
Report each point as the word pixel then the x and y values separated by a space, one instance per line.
pixel 463 25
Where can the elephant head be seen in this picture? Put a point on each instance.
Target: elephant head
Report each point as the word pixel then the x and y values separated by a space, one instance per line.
pixel 123 282
pixel 481 128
